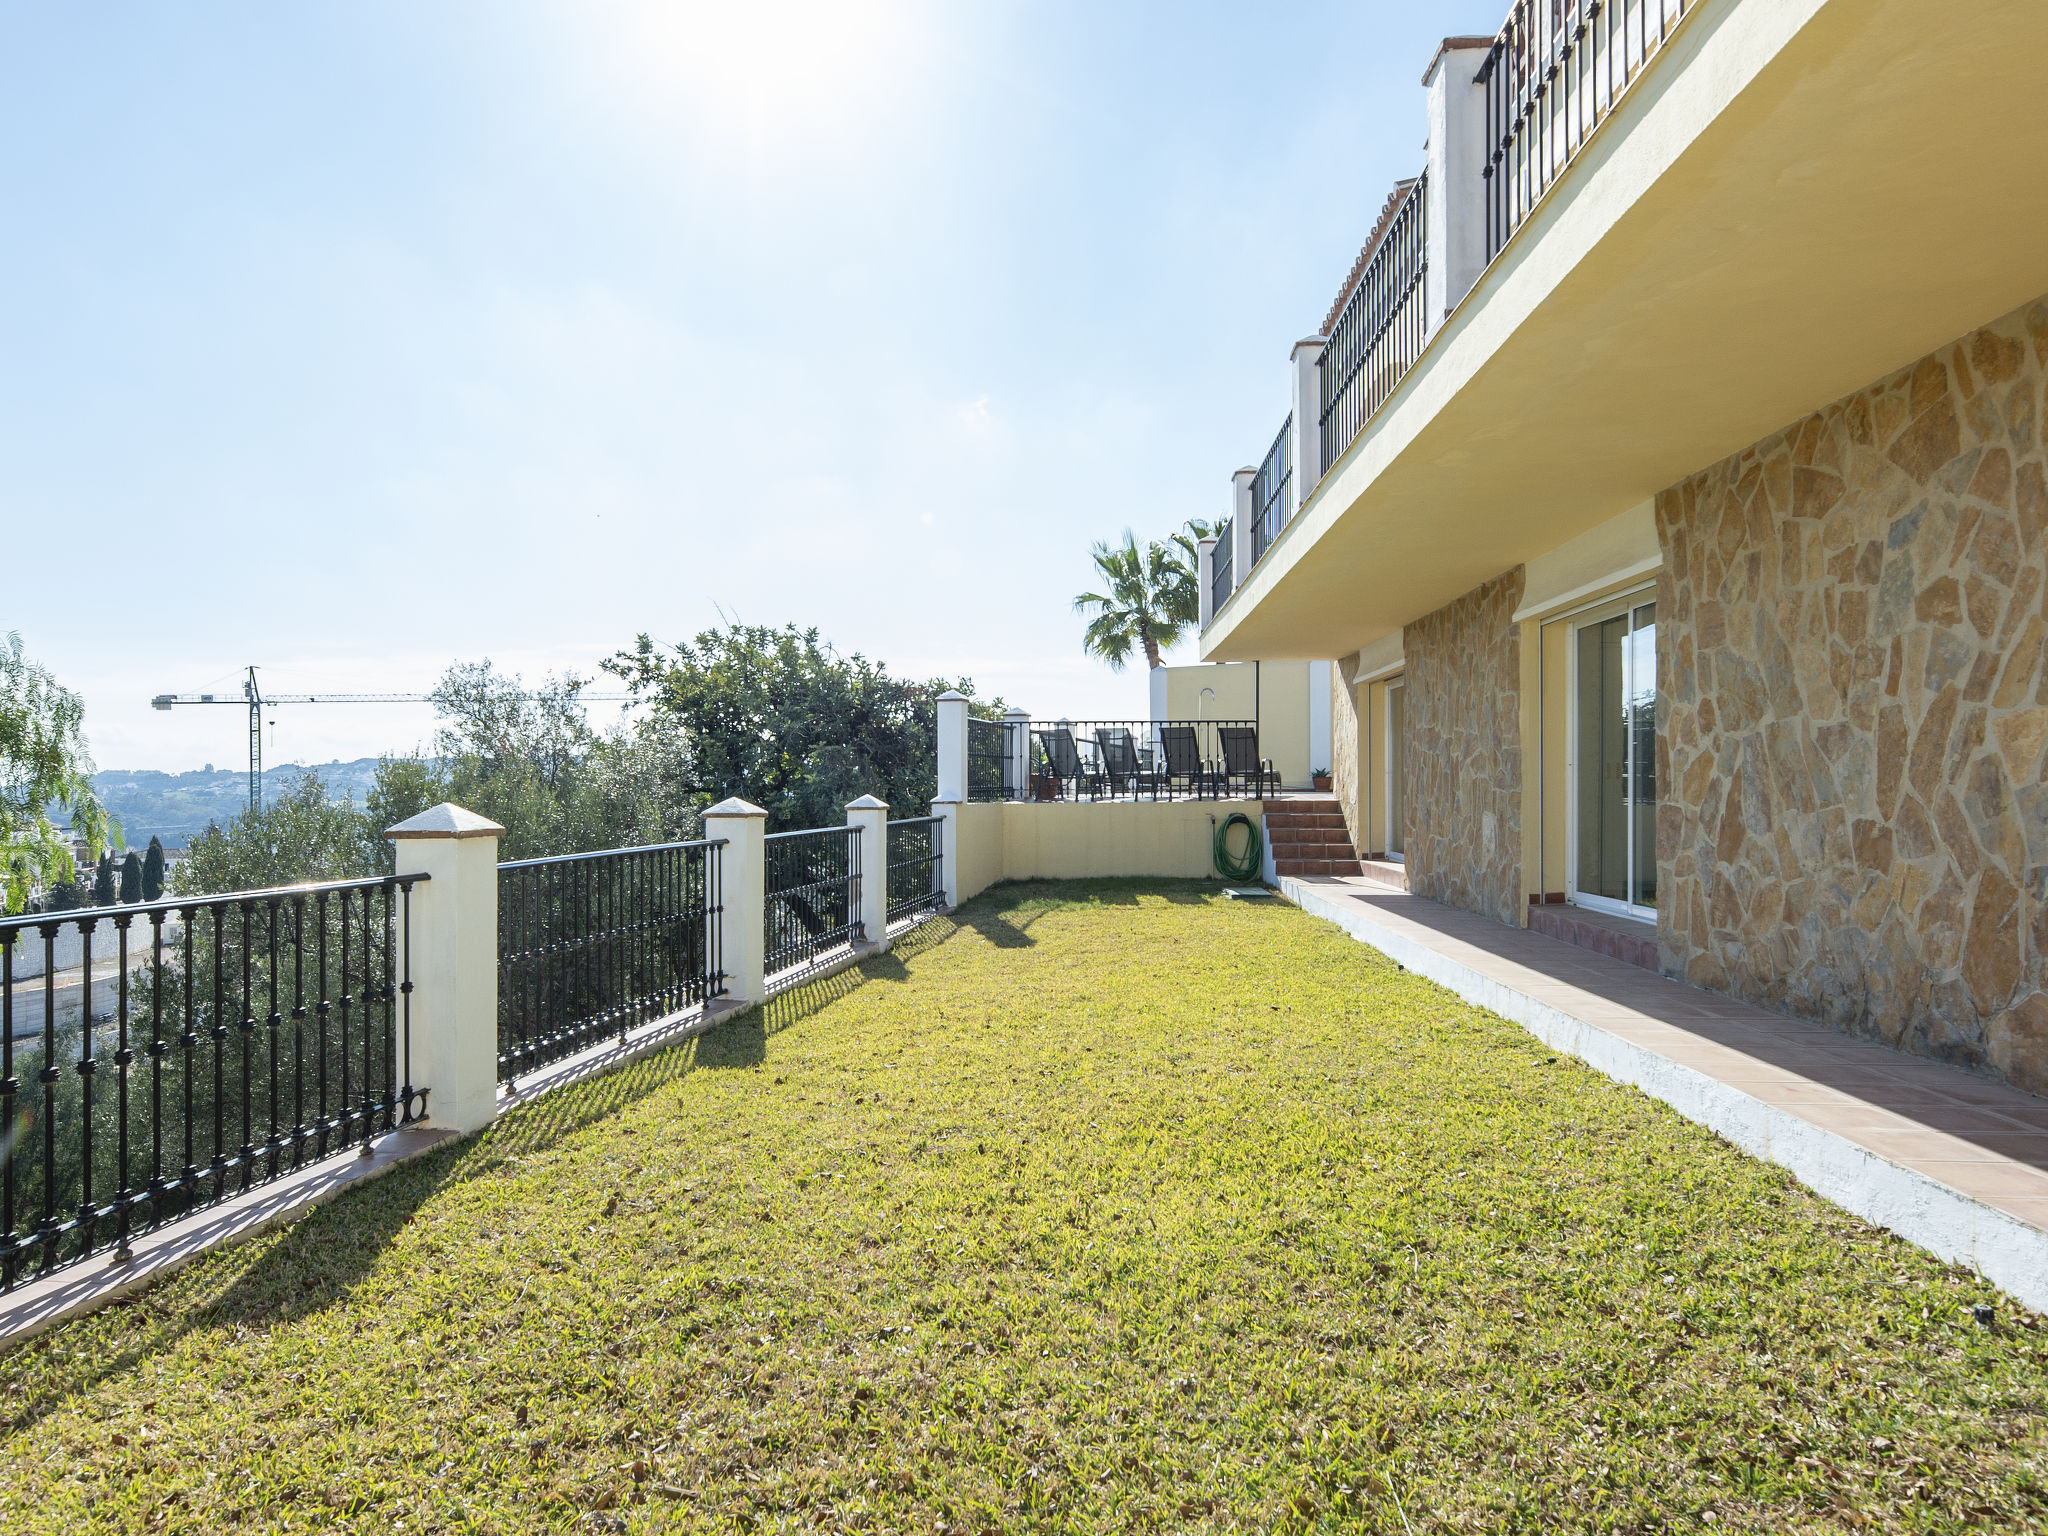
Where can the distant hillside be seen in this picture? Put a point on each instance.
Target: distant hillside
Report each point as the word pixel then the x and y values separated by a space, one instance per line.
pixel 177 806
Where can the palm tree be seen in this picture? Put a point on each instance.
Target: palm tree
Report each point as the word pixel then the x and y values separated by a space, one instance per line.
pixel 1140 608
pixel 1184 598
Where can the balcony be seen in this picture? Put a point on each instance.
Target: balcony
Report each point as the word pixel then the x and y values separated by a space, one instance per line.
pixel 1647 235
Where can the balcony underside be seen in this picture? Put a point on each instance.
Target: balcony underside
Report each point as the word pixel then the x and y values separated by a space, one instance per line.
pixel 1800 197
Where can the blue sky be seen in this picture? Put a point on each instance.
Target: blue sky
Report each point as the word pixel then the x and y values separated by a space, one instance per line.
pixel 355 339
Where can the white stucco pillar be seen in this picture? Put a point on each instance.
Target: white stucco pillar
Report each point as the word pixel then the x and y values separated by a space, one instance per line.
pixel 738 940
pixel 952 725
pixel 1308 419
pixel 948 812
pixel 1205 579
pixel 1016 754
pixel 1456 244
pixel 448 1040
pixel 1241 526
pixel 872 817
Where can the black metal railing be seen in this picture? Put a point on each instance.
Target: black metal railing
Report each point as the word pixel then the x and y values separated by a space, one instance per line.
pixel 916 855
pixel 1381 330
pixel 1272 486
pixel 198 1048
pixel 985 739
pixel 1140 760
pixel 1552 76
pixel 1220 585
pixel 813 894
pixel 592 944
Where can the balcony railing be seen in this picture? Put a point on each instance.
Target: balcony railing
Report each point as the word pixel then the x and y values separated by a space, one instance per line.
pixel 1381 330
pixel 1272 492
pixel 1554 73
pixel 1220 585
pixel 1131 760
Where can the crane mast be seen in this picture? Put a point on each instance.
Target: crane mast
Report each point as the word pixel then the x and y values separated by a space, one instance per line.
pixel 253 696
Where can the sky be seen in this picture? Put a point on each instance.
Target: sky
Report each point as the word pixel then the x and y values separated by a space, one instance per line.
pixel 353 340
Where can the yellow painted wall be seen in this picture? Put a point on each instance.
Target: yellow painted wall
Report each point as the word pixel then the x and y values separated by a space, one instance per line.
pixel 1065 840
pixel 1281 710
pixel 1075 840
pixel 980 846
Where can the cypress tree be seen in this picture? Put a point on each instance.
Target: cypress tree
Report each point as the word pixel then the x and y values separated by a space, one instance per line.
pixel 153 871
pixel 131 877
pixel 103 882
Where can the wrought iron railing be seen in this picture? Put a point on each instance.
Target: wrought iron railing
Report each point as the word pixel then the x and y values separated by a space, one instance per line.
pixel 1272 487
pixel 592 944
pixel 1554 73
pixel 916 855
pixel 1138 760
pixel 1381 330
pixel 225 1041
pixel 985 740
pixel 1220 584
pixel 813 890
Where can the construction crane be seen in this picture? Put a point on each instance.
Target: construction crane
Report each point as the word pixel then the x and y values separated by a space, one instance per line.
pixel 257 701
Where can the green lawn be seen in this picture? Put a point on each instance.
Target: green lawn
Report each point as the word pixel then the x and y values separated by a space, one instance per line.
pixel 1115 1206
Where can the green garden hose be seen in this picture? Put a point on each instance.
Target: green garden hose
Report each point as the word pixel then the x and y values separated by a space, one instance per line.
pixel 1248 867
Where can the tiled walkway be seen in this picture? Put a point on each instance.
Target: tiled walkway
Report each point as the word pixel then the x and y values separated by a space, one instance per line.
pixel 1951 1161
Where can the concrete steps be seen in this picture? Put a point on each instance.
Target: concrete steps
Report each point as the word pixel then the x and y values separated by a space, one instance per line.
pixel 1308 837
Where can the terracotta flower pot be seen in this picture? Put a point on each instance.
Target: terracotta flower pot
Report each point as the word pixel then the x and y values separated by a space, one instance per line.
pixel 1320 783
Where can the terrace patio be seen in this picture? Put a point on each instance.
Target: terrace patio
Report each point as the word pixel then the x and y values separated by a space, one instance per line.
pixel 1093 1205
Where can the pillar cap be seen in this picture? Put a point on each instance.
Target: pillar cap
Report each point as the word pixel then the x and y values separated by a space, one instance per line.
pixel 1016 714
pixel 445 820
pixel 1309 341
pixel 735 806
pixel 953 693
pixel 867 803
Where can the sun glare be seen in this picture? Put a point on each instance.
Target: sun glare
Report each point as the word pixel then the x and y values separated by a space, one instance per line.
pixel 796 81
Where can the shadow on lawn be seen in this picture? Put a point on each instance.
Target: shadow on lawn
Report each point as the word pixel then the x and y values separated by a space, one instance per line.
pixel 325 1255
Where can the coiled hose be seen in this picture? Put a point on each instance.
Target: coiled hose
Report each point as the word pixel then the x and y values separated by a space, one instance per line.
pixel 1248 867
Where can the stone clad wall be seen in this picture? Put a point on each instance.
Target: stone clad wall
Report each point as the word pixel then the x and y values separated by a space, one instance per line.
pixel 1345 738
pixel 1853 824
pixel 1463 752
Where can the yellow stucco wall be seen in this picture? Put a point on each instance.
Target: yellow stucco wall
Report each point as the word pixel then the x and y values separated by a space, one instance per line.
pixel 1281 689
pixel 1063 841
pixel 980 847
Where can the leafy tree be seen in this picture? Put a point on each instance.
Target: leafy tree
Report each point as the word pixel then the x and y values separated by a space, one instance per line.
pixel 300 834
pixel 1140 607
pixel 153 870
pixel 776 716
pixel 131 877
pixel 103 881
pixel 43 763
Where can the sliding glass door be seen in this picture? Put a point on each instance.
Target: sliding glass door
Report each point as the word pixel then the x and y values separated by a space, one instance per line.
pixel 1615 751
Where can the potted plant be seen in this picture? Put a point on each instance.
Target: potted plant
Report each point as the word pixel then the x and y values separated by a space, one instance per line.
pixel 1319 781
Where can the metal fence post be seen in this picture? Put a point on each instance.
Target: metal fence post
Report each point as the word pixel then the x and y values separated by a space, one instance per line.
pixel 741 934
pixel 872 817
pixel 453 949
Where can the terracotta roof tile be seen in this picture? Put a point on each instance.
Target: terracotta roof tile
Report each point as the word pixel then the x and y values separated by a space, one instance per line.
pixel 1391 207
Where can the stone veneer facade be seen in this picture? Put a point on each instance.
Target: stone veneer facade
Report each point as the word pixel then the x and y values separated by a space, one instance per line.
pixel 1462 757
pixel 1344 742
pixel 1853 824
